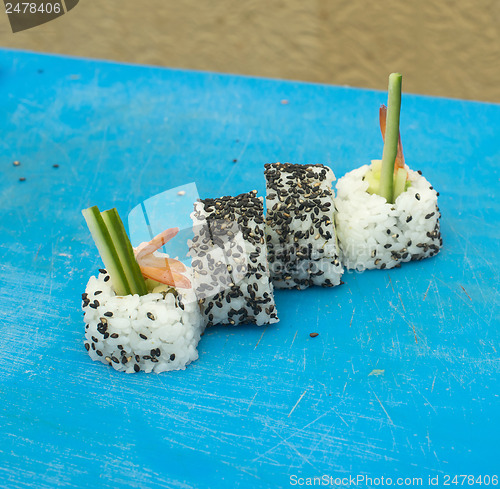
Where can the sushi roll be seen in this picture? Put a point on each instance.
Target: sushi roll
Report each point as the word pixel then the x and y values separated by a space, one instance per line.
pixel 155 332
pixel 229 261
pixel 140 312
pixel 387 214
pixel 301 237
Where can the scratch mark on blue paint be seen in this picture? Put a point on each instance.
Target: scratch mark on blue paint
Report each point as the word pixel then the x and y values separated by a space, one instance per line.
pixel 251 402
pixel 425 399
pixel 427 291
pixel 463 288
pixel 297 403
pixel 401 300
pixel 382 406
pixel 352 317
pixel 390 283
pixel 343 420
pixel 289 445
pixel 257 344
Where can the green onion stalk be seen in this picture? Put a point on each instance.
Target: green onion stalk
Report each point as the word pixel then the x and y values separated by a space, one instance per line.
pixel 386 188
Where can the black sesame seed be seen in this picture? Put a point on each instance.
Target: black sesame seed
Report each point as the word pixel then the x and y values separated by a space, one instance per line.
pixel 143 336
pixel 150 316
pixel 87 346
pixel 172 357
pixel 108 314
pixel 106 278
pixel 137 368
pixel 417 196
pixel 103 270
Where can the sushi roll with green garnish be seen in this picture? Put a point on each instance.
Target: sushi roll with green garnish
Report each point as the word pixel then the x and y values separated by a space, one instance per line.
pixel 387 214
pixel 140 312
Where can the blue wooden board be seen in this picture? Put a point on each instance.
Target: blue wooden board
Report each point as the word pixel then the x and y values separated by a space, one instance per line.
pixel 403 379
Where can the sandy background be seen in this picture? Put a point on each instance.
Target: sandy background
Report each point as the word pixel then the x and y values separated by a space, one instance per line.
pixel 443 47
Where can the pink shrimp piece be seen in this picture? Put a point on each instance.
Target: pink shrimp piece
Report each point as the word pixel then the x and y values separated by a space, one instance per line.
pixel 164 270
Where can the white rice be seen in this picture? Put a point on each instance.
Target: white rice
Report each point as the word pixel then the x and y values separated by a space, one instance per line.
pixel 375 234
pixel 153 333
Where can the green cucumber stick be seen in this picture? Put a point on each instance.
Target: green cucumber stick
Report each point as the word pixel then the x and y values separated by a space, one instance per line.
pixel 125 252
pixel 399 182
pixel 391 137
pixel 106 249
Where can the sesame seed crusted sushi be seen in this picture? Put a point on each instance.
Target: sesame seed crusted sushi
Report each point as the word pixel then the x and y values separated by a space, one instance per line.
pixel 155 332
pixel 376 234
pixel 140 312
pixel 301 237
pixel 387 214
pixel 229 261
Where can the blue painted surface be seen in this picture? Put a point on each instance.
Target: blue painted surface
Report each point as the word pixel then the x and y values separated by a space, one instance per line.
pixel 260 405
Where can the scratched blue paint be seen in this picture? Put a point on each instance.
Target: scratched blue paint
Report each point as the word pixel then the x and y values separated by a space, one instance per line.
pixel 261 404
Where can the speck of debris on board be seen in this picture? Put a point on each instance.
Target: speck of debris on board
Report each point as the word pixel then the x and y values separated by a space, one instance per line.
pixel 235 160
pixel 16 163
pixel 55 165
pixel 22 179
pixel 181 192
pixel 313 335
pixel 284 102
pixel 376 372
